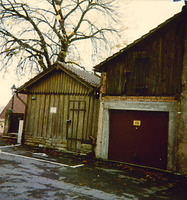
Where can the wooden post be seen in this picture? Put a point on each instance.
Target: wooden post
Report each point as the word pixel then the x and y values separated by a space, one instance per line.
pixel 20 131
pixel 7 122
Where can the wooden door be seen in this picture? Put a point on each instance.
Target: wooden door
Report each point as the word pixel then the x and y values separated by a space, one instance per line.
pixel 139 137
pixel 14 123
pixel 75 125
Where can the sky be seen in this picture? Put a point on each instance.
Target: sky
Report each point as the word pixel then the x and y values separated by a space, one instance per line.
pixel 138 17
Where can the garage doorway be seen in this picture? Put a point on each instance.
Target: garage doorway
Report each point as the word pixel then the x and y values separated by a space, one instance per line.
pixel 139 137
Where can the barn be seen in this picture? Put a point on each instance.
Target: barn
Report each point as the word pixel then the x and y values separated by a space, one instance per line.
pixel 62 109
pixel 143 110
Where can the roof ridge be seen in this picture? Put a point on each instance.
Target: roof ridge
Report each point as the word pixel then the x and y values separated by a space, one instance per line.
pixel 87 76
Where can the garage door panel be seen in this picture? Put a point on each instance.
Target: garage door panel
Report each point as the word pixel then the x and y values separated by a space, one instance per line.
pixel 139 137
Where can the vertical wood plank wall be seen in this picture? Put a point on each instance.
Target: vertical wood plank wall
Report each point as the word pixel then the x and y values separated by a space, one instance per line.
pixel 49 107
pixel 163 51
pixel 50 129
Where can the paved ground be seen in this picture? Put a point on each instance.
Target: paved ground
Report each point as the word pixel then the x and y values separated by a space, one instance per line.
pixel 34 173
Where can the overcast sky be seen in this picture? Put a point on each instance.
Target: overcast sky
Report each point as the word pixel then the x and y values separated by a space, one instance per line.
pixel 138 16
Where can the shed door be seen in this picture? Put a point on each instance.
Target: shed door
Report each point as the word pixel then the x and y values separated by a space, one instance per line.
pixel 75 124
pixel 139 137
pixel 14 124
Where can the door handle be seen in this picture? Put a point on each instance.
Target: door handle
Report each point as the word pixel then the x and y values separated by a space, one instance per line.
pixel 68 121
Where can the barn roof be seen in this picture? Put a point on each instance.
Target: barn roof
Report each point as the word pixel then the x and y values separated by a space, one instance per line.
pixel 89 78
pixel 100 66
pixel 18 106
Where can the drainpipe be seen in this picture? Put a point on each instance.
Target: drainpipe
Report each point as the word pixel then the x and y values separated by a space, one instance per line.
pixel 95 97
pixel 22 101
pixel 13 88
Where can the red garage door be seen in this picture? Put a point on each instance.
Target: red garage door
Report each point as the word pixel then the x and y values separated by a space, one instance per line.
pixel 139 137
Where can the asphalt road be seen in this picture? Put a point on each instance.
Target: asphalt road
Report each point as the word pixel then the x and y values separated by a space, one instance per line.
pixel 31 173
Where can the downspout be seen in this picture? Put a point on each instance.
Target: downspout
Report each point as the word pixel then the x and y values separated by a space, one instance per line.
pixel 92 94
pixel 95 94
pixel 25 104
pixel 22 101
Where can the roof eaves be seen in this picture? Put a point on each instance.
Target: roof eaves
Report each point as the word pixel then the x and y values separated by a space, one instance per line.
pixel 63 67
pixel 99 67
pixel 82 75
pixel 34 79
pixel 75 76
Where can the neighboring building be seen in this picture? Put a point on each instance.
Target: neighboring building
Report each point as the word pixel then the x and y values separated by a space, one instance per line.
pixel 15 105
pixel 11 114
pixel 62 109
pixel 2 123
pixel 143 109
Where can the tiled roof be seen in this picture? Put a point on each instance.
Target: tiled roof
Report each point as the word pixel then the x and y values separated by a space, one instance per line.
pixel 18 106
pixel 87 76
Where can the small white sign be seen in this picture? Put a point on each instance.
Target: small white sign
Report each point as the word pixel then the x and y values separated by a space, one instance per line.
pixel 53 109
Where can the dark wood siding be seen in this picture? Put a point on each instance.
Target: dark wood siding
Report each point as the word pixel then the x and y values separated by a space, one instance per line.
pixel 155 62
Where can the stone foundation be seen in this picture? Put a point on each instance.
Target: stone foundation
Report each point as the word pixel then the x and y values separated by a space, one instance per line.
pixel 56 143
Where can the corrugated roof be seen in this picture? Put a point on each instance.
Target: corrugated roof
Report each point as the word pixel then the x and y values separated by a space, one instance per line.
pixel 99 66
pixel 88 77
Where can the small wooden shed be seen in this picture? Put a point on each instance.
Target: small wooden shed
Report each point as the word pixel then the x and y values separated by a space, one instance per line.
pixel 62 108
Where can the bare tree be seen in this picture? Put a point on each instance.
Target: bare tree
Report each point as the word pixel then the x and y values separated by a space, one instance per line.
pixel 40 34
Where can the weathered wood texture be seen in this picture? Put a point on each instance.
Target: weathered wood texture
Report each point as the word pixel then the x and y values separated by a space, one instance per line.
pixel 152 66
pixel 58 82
pixel 61 112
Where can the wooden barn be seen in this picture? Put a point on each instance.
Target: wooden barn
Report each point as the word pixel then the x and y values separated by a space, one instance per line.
pixel 62 109
pixel 143 110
